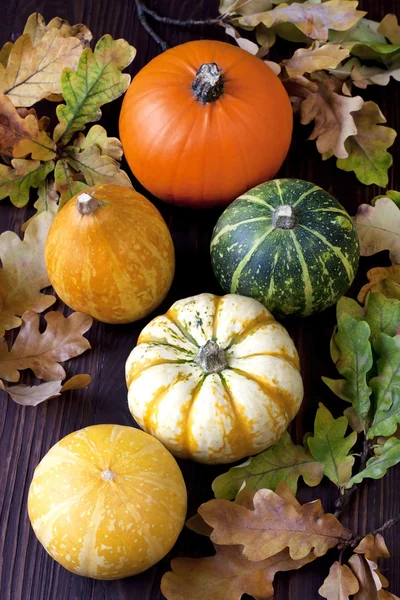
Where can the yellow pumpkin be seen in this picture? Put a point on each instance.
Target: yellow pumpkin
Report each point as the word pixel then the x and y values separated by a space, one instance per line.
pixel 107 501
pixel 109 254
pixel 215 378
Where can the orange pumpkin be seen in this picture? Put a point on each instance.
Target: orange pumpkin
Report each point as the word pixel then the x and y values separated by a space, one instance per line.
pixel 109 254
pixel 204 122
pixel 107 501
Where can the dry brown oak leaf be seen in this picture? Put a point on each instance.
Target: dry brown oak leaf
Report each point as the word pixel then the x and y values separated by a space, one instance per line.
pixel 277 522
pixel 367 580
pixel 32 395
pixel 340 584
pixel 42 352
pixel 227 575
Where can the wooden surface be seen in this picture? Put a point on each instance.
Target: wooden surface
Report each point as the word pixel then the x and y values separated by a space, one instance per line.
pixel 27 572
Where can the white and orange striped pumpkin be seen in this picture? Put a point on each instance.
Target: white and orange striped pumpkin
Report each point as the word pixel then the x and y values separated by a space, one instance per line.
pixel 107 501
pixel 215 378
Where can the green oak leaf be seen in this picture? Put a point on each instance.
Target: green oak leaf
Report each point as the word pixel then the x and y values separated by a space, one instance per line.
pixel 392 194
pixel 386 386
pixel 96 81
pixel 331 448
pixel 364 31
pixel 17 180
pixel 367 150
pixel 382 315
pixel 377 466
pixel 47 201
pixel 284 461
pixel 65 184
pixel 383 53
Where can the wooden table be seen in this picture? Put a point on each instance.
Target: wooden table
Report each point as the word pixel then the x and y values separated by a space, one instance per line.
pixel 28 573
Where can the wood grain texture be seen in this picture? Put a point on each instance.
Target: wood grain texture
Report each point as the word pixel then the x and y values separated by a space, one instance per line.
pixel 27 572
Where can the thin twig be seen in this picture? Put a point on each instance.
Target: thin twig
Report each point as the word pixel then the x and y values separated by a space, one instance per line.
pixel 180 22
pixel 143 20
pixel 391 523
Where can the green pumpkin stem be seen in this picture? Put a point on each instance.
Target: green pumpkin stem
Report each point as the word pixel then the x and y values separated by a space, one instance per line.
pixel 208 84
pixel 285 217
pixel 86 204
pixel 211 358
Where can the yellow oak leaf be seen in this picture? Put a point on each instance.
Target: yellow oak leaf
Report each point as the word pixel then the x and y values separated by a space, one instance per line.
pixel 96 167
pixel 33 73
pixel 382 280
pixel 32 395
pixel 5 53
pixel 97 136
pixel 390 28
pixel 385 595
pixel 43 352
pixel 378 228
pixel 277 522
pixel 313 20
pixel 227 574
pixel 16 181
pixel 245 7
pixel 332 112
pixel 47 201
pixel 22 136
pixel 340 584
pixel 316 58
pixel 23 274
pixel 36 28
pixel 373 547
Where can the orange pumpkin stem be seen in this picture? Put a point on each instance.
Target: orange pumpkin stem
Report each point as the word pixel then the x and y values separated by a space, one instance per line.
pixel 86 204
pixel 285 217
pixel 208 85
pixel 211 358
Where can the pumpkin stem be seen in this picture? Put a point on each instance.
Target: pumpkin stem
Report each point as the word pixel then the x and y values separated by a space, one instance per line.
pixel 285 217
pixel 86 204
pixel 211 358
pixel 208 85
pixel 107 475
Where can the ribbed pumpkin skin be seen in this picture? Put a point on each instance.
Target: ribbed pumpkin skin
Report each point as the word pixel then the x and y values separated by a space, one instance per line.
pixel 116 264
pixel 107 528
pixel 223 416
pixel 199 155
pixel 292 272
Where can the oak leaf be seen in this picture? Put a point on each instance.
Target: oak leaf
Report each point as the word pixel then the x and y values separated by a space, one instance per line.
pixel 42 352
pixel 16 181
pixel 36 28
pixel 364 31
pixel 378 228
pixel 47 201
pixel 33 73
pixel 97 136
pixel 277 522
pixel 383 53
pixel 340 584
pixel 354 420
pixel 21 136
pixel 385 595
pixel 23 274
pixel 313 20
pixel 65 183
pixel 96 167
pixel 365 577
pixel 390 28
pixel 331 448
pixel 32 395
pixel 242 42
pixel 373 547
pixel 284 461
pixel 245 7
pixel 383 280
pixel 227 574
pixel 315 58
pixel 96 81
pixel 5 53
pixel 377 466
pixel 332 112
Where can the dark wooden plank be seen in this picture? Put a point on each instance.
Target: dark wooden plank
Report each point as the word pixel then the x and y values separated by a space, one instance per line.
pixel 26 434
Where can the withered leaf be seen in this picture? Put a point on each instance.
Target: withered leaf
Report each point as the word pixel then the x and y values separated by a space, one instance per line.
pixel 96 167
pixel 32 395
pixel 382 280
pixel 378 228
pixel 227 574
pixel 315 58
pixel 363 572
pixel 277 522
pixel 340 584
pixel 373 547
pixel 64 182
pixel 36 28
pixel 23 274
pixel 42 352
pixel 47 201
pixel 22 136
pixel 390 28
pixel 5 53
pixel 16 181
pixel 32 73
pixel 97 136
pixel 242 42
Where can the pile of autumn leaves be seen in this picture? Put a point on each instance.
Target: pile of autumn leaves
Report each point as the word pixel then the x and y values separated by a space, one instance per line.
pixel 50 61
pixel 343 50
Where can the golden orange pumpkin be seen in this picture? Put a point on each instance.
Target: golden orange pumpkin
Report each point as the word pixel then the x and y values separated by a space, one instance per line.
pixel 109 254
pixel 107 501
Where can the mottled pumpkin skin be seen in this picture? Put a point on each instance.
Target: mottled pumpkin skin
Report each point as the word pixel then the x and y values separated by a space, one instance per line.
pixel 116 264
pixel 199 155
pixel 295 271
pixel 107 526
pixel 223 416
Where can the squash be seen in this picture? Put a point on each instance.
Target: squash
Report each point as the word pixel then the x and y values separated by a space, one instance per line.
pixel 109 254
pixel 287 243
pixel 107 501
pixel 214 379
pixel 204 122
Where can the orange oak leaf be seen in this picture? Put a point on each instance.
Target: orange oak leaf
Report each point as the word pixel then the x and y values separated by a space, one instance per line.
pixel 277 522
pixel 42 352
pixel 21 136
pixel 32 395
pixel 227 574
pixel 340 584
pixel 373 547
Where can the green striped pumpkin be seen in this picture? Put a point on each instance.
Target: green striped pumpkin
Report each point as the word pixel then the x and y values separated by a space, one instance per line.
pixel 288 244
